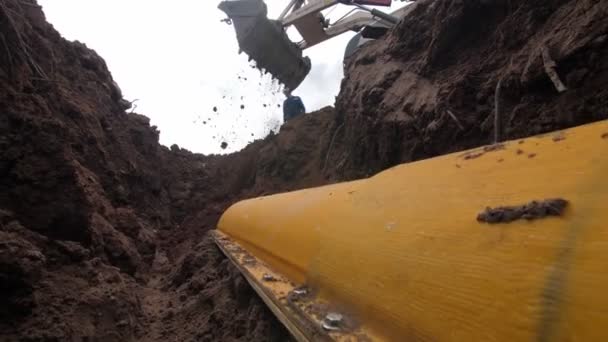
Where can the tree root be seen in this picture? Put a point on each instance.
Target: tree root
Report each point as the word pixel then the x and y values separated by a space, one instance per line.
pixel 23 48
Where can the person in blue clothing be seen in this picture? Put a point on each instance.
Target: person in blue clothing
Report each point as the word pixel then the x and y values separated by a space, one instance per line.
pixel 293 106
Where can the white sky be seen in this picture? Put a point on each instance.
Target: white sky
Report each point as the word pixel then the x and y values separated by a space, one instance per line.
pixel 180 61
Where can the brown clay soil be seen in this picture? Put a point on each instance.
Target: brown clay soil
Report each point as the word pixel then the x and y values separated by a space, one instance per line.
pixel 103 230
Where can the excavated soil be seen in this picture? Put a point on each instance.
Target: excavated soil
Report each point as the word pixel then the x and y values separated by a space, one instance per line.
pixel 103 230
pixel 532 211
pixel 429 86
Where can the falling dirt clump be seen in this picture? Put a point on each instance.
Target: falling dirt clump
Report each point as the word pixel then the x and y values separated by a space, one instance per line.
pixel 531 211
pixel 103 231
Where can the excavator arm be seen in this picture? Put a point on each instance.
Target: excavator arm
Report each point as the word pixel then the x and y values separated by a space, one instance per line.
pixel 266 41
pixel 314 29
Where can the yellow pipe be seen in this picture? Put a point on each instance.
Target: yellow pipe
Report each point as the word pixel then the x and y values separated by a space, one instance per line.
pixel 404 254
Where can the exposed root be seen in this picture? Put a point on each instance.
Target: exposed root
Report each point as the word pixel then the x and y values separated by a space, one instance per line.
pixel 451 115
pixel 550 66
pixel 133 106
pixel 331 144
pixel 9 56
pixel 23 47
pixel 498 112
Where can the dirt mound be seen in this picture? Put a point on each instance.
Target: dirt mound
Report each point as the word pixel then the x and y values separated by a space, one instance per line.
pixel 102 230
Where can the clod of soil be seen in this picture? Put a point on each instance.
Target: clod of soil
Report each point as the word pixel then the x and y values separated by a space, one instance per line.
pixel 242 106
pixel 486 149
pixel 531 211
pixel 224 145
pixel 469 156
pixel 215 108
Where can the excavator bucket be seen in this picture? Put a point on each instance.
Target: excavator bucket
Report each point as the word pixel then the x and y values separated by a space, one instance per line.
pixel 502 243
pixel 266 42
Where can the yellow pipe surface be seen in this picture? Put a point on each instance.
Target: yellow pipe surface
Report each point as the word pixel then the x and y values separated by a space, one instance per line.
pixel 404 254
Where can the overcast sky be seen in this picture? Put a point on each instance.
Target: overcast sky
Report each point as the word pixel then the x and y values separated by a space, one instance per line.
pixel 179 61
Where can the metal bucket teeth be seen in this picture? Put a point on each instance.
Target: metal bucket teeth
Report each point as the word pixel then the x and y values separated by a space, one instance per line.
pixel 266 42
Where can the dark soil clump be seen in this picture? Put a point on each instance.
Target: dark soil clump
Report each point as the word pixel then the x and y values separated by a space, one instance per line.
pixel 531 211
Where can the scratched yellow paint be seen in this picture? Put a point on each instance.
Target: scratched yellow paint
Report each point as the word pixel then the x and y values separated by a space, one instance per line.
pixel 403 252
